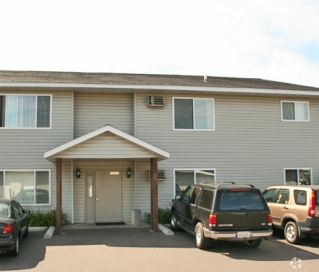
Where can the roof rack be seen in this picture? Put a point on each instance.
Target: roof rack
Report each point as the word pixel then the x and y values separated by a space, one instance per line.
pixel 225 184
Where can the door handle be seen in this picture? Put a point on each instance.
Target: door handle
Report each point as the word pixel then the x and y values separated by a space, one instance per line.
pixel 286 208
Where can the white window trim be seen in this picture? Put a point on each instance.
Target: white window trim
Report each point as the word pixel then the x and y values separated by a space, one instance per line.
pixel 36 111
pixel 34 177
pixel 294 101
pixel 298 169
pixel 193 98
pixel 196 170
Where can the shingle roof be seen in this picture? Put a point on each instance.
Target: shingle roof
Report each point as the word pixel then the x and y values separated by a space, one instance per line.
pixel 145 79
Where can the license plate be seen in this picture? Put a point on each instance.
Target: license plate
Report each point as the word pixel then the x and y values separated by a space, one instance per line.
pixel 243 235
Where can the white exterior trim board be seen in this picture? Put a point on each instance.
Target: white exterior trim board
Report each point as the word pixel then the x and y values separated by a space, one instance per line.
pixel 161 88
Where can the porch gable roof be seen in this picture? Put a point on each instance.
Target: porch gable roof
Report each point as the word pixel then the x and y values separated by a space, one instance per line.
pixel 67 150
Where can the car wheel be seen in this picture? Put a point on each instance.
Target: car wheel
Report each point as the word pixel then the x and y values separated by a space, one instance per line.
pixel 254 243
pixel 15 251
pixel 201 240
pixel 174 225
pixel 291 232
pixel 26 233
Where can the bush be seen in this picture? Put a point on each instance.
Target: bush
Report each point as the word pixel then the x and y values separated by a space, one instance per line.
pixel 164 216
pixel 40 219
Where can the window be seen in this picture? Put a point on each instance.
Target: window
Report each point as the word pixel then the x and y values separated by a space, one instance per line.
pixel 240 201
pixel 206 199
pixel 295 111
pixel 187 177
pixel 300 197
pixel 193 113
pixel 282 196
pixel 269 195
pixel 299 176
pixel 194 195
pixel 1 184
pixel 25 111
pixel 27 187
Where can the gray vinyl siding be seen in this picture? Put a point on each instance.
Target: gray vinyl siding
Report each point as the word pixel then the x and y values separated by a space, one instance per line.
pixel 106 146
pixel 93 111
pixel 24 148
pixel 250 143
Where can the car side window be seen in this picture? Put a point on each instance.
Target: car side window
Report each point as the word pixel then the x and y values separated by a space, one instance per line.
pixel 269 195
pixel 206 199
pixel 15 210
pixel 187 195
pixel 194 195
pixel 300 197
pixel 282 196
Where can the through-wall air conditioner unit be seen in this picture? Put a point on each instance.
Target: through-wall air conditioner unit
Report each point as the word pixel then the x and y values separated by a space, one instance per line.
pixel 160 175
pixel 155 101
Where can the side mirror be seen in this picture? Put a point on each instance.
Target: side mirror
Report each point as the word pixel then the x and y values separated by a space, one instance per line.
pixel 26 210
pixel 178 197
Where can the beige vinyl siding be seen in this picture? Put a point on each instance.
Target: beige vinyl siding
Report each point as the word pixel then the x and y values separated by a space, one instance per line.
pixel 93 111
pixel 24 148
pixel 108 146
pixel 250 145
pixel 90 167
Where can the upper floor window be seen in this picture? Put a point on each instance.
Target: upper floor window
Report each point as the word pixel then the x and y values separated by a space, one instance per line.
pixel 295 111
pixel 193 113
pixel 25 111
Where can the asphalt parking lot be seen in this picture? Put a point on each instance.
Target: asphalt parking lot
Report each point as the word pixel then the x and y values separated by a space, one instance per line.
pixel 140 250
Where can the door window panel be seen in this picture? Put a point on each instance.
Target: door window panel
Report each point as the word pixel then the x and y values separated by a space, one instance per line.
pixel 269 195
pixel 282 196
pixel 206 199
pixel 183 113
pixel 300 197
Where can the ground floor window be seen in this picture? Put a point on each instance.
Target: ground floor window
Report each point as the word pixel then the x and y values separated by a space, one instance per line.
pixel 27 187
pixel 298 176
pixel 186 177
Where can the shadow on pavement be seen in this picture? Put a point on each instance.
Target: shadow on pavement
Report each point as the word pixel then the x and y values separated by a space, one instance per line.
pixel 33 248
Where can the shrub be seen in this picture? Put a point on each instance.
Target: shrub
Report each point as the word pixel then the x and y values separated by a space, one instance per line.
pixel 47 219
pixel 164 216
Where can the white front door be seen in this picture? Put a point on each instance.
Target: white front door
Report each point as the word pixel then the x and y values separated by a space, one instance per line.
pixel 108 207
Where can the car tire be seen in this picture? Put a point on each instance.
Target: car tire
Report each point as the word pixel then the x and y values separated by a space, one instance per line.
pixel 254 243
pixel 173 222
pixel 291 232
pixel 200 239
pixel 15 251
pixel 26 233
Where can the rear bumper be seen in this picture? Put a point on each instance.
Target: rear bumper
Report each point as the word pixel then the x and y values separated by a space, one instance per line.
pixel 232 235
pixel 7 244
pixel 311 226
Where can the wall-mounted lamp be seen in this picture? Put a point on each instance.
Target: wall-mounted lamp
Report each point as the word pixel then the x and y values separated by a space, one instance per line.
pixel 77 173
pixel 128 172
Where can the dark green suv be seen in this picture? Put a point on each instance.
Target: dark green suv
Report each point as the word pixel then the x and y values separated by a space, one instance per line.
pixel 222 212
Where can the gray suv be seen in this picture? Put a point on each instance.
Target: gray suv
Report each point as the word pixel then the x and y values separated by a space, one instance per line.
pixel 222 212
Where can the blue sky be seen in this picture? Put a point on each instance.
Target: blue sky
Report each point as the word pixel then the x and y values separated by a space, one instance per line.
pixel 271 39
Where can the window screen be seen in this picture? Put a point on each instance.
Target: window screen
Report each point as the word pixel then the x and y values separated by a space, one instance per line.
pixel 2 112
pixel 288 109
pixel 42 187
pixel 1 184
pixel 183 109
pixel 292 177
pixel 43 112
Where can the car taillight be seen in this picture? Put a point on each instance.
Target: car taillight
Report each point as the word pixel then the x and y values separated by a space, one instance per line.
pixel 311 210
pixel 212 220
pixel 269 220
pixel 7 229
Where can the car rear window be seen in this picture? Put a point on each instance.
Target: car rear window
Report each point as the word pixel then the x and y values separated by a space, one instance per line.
pixel 300 197
pixel 241 201
pixel 4 210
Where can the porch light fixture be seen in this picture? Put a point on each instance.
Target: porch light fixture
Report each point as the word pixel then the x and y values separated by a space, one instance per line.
pixel 77 173
pixel 128 172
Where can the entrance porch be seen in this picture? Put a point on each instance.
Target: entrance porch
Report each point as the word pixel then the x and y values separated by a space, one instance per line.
pixel 103 176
